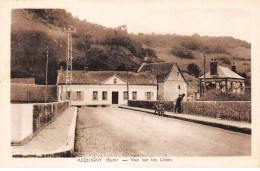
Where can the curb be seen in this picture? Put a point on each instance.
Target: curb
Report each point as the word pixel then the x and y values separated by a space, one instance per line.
pixel 214 124
pixel 64 151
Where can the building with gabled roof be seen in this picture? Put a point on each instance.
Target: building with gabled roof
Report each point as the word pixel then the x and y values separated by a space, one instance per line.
pixel 106 87
pixel 222 78
pixel 170 79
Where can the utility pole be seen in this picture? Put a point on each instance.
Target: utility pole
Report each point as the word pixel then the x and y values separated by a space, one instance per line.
pixel 204 73
pixel 127 83
pixel 127 87
pixel 47 62
pixel 69 62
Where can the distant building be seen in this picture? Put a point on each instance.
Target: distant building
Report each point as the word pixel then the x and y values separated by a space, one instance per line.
pixel 170 80
pixel 222 78
pixel 192 87
pixel 106 87
pixel 23 80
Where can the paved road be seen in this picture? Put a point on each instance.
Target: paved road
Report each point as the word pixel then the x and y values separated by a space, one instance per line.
pixel 114 132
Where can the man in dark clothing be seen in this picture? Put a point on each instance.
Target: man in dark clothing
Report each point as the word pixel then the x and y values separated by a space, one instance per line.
pixel 177 108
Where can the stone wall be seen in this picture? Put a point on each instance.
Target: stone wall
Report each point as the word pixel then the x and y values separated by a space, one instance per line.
pixel 29 119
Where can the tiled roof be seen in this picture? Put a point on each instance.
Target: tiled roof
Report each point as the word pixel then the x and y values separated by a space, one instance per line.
pixel 161 70
pixel 223 72
pixel 191 80
pixel 98 77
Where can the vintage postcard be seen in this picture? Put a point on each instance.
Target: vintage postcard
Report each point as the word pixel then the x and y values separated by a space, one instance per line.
pixel 140 83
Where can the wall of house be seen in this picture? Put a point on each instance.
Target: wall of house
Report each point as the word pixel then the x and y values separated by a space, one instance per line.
pixel 175 85
pixel 87 93
pixel 28 119
pixel 173 91
pixel 160 91
pixel 21 122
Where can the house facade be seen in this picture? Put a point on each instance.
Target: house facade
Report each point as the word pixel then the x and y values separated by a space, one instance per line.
pixel 222 78
pixel 170 80
pixel 106 87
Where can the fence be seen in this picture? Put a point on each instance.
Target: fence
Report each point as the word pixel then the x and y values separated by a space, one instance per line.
pixel 231 110
pixel 33 93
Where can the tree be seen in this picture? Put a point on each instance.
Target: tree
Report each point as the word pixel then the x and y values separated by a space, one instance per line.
pixel 194 69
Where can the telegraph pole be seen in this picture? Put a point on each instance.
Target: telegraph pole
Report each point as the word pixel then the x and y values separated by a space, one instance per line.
pixel 204 73
pixel 47 61
pixel 69 61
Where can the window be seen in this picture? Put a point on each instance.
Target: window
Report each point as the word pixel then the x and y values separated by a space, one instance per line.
pixel 125 95
pixel 148 95
pixel 179 87
pixel 134 93
pixel 178 73
pixel 115 81
pixel 68 95
pixel 104 95
pixel 78 95
pixel 95 95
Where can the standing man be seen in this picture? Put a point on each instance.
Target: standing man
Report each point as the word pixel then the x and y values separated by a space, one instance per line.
pixel 177 108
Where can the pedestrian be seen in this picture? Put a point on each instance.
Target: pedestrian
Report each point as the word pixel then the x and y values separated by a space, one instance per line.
pixel 177 108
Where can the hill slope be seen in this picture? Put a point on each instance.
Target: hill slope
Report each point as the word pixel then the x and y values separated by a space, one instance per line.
pixel 95 46
pixel 104 48
pixel 189 49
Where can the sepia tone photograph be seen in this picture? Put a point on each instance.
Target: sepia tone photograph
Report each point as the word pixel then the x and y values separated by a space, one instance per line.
pixel 128 83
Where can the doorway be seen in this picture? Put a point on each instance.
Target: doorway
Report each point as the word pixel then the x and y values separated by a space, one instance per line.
pixel 114 97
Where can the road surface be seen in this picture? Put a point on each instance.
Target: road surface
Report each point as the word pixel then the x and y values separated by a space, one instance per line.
pixel 115 132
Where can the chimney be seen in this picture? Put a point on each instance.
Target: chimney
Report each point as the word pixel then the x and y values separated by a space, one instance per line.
pixel 233 67
pixel 213 67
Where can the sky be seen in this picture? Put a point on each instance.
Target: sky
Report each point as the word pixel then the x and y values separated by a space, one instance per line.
pixel 166 18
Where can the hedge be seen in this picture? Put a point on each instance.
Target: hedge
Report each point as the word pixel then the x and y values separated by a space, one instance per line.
pixel 33 93
pixel 168 105
pixel 230 110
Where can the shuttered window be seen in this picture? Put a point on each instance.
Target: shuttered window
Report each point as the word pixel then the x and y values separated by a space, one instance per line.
pixel 95 95
pixel 125 95
pixel 104 95
pixel 148 95
pixel 79 95
pixel 134 94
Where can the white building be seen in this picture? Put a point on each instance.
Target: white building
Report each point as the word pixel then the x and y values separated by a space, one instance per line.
pixel 171 82
pixel 106 87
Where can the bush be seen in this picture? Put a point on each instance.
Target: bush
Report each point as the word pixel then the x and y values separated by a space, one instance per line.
pixel 218 95
pixel 182 53
pixel 225 60
pixel 194 69
pixel 237 111
pixel 168 105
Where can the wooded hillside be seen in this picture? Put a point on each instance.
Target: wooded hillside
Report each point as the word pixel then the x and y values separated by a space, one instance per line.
pixel 103 48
